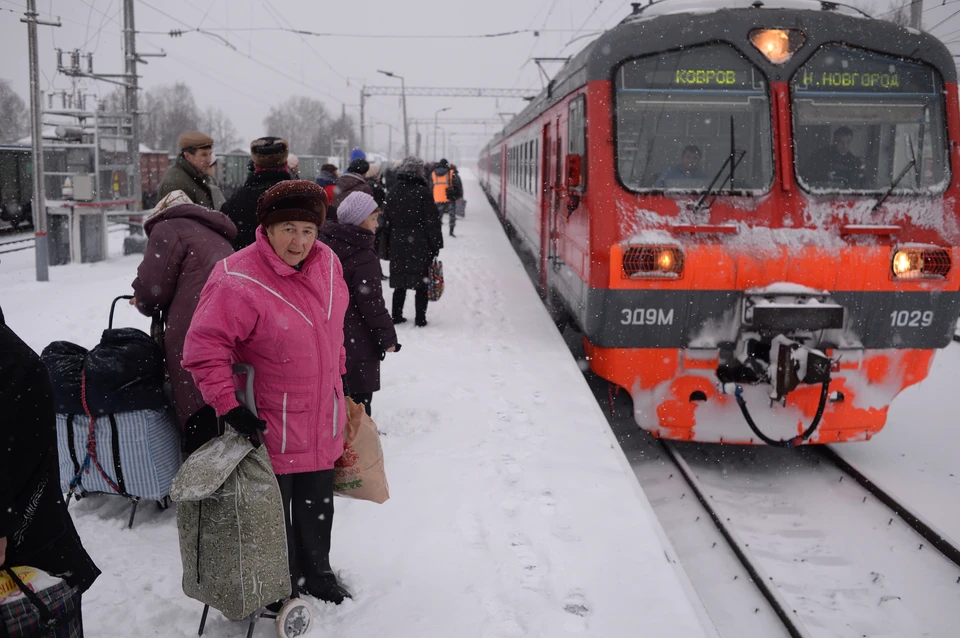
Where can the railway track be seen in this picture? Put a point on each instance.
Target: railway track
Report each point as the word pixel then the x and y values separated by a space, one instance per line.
pixel 877 571
pixel 28 242
pixel 869 595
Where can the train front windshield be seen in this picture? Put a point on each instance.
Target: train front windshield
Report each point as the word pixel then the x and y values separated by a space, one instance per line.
pixel 691 118
pixel 865 122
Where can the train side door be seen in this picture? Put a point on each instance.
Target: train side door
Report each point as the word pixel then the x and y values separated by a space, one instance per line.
pixel 546 202
pixel 504 173
pixel 558 195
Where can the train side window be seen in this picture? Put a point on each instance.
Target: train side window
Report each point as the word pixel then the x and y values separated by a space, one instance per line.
pixel 681 116
pixel 577 126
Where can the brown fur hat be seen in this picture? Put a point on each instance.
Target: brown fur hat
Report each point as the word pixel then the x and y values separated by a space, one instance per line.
pixel 295 200
pixel 269 152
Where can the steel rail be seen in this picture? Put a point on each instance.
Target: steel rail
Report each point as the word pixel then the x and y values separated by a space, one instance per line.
pixel 3 245
pixel 761 580
pixel 925 529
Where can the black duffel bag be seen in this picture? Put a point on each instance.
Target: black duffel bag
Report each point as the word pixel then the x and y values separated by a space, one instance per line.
pixel 123 373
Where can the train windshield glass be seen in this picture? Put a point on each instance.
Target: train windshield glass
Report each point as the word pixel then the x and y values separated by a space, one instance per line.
pixel 865 122
pixel 685 118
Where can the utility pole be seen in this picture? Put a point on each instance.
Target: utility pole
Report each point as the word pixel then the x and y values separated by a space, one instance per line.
pixel 130 66
pixel 363 129
pixel 916 13
pixel 36 117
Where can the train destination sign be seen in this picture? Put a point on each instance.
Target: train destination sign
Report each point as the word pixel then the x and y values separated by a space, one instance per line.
pixel 717 66
pixel 841 69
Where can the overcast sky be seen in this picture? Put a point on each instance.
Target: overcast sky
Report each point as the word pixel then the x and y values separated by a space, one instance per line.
pixel 262 68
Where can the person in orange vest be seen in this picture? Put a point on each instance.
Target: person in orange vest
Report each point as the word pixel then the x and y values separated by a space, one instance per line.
pixel 447 189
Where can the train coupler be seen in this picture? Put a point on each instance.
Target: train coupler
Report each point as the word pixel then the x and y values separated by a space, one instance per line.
pixel 794 364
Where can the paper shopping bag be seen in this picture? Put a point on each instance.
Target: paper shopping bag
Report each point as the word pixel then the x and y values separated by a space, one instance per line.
pixel 359 473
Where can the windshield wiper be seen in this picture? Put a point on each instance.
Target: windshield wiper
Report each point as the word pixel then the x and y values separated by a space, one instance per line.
pixel 912 163
pixel 732 161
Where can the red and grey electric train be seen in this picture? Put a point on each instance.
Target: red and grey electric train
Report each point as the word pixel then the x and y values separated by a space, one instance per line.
pixel 749 211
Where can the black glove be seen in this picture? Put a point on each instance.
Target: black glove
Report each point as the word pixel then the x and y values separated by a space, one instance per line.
pixel 346 388
pixel 383 353
pixel 243 421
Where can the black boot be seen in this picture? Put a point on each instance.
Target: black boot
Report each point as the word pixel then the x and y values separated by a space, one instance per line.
pixel 399 297
pixel 421 305
pixel 329 590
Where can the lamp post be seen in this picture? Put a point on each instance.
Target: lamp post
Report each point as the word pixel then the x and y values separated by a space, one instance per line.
pixel 435 116
pixel 444 131
pixel 403 99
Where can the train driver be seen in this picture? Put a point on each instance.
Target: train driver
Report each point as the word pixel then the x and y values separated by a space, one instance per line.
pixel 687 169
pixel 835 165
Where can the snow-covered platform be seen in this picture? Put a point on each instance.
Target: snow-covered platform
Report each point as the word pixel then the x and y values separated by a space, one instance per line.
pixel 513 512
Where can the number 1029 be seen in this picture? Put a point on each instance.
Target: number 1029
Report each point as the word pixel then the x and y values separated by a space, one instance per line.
pixel 911 319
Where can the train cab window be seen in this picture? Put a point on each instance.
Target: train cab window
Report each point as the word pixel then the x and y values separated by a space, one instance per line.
pixel 868 123
pixel 690 118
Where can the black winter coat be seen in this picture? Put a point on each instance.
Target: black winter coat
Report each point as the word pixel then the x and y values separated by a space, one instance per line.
pixel 413 230
pixel 33 516
pixel 241 208
pixel 367 327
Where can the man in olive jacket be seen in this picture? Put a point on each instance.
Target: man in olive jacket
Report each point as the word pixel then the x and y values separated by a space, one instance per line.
pixel 189 172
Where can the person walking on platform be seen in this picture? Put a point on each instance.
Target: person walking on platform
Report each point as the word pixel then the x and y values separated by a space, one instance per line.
pixel 279 305
pixel 368 332
pixel 447 189
pixel 184 242
pixel 189 172
pixel 353 180
pixel 414 236
pixel 269 168
pixel 327 179
pixel 35 527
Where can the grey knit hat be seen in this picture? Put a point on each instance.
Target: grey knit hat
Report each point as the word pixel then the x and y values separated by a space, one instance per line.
pixel 411 165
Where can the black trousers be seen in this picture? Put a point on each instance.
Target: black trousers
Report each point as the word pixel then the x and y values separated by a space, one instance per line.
pixel 202 426
pixel 420 302
pixel 366 398
pixel 308 509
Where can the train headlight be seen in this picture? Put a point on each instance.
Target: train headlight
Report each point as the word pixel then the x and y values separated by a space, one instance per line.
pixel 917 263
pixel 777 45
pixel 652 261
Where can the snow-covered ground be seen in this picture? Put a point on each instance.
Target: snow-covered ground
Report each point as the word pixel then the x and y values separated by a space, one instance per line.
pixel 513 512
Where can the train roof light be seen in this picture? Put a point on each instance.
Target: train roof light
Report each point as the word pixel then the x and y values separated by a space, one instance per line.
pixel 777 45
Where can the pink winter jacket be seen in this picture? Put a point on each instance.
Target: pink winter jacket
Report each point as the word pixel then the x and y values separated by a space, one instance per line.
pixel 288 324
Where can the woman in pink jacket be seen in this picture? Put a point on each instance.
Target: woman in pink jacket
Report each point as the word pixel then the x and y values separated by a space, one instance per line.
pixel 279 305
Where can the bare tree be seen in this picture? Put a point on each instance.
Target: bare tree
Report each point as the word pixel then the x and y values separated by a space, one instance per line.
pixel 166 112
pixel 342 128
pixel 14 118
pixel 215 123
pixel 300 121
pixel 113 102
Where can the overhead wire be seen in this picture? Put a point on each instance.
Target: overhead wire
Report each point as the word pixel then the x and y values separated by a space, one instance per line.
pixel 271 8
pixel 553 6
pixel 253 59
pixel 378 36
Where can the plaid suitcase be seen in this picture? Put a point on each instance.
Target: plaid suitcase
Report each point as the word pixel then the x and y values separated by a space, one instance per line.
pixel 57 616
pixel 138 451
